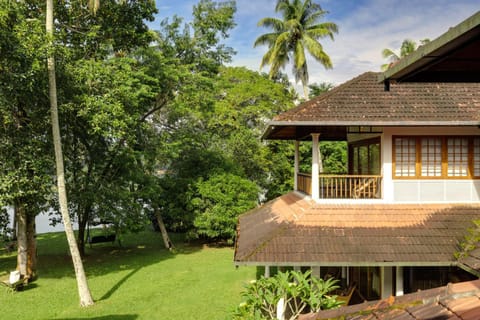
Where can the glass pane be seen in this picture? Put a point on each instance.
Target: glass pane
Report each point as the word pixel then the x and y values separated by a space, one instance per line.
pixel 375 159
pixel 363 160
pixel 476 157
pixel 405 157
pixel 431 157
pixel 457 149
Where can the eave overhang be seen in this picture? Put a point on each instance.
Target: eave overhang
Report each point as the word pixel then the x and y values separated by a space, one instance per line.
pixel 350 264
pixel 452 57
pixel 337 131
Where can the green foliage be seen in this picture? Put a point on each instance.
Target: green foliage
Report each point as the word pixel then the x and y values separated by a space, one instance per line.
pixel 297 32
pixel 317 89
pixel 25 158
pixel 103 94
pixel 224 138
pixel 470 242
pixel 408 46
pixel 334 157
pixel 218 203
pixel 211 126
pixel 300 292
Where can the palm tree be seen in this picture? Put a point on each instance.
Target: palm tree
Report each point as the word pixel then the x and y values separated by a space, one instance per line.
pixel 298 31
pixel 317 89
pixel 407 47
pixel 83 290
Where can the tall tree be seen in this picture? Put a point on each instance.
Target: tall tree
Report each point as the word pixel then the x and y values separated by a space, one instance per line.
pixel 297 32
pixel 105 98
pixel 83 289
pixel 317 89
pixel 407 47
pixel 25 148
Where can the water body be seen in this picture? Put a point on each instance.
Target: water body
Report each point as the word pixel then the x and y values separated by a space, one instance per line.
pixel 43 223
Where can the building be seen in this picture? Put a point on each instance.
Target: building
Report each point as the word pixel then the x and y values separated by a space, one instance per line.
pixel 395 222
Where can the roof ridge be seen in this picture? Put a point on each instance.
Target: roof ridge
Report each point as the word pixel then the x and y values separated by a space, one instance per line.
pixel 325 95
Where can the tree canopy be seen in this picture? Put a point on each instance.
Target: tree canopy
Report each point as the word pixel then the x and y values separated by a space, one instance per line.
pixel 150 121
pixel 407 47
pixel 298 31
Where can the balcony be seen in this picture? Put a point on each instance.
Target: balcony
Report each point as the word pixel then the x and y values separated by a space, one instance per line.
pixel 342 186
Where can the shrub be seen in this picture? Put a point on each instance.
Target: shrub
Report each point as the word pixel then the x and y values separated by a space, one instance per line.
pixel 300 292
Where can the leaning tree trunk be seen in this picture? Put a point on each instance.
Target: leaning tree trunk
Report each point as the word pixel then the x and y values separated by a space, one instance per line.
pixel 163 230
pixel 83 290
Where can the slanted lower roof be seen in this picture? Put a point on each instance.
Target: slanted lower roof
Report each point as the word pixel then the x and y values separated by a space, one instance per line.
pixel 292 230
pixel 459 301
pixel 363 101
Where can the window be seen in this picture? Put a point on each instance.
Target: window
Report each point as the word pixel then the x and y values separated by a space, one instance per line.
pixel 405 157
pixel 439 157
pixel 364 157
pixel 457 149
pixel 476 157
pixel 431 157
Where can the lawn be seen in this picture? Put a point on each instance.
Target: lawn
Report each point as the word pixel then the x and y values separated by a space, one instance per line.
pixel 140 280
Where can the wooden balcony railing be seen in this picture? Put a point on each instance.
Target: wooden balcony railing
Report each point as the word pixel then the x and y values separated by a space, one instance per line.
pixel 342 186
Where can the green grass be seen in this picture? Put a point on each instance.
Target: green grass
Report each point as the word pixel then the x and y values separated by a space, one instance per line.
pixel 140 280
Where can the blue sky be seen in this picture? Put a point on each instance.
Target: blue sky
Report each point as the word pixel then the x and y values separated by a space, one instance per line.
pixel 366 27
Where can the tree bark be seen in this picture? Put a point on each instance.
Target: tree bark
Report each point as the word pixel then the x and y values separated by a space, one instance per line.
pixel 163 230
pixel 31 247
pixel 82 225
pixel 21 238
pixel 83 290
pixel 305 91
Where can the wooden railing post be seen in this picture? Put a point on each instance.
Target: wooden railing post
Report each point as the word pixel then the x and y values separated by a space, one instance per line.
pixel 342 186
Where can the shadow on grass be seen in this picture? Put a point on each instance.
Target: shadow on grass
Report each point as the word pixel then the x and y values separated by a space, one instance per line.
pixel 109 317
pixel 137 251
pixel 28 287
pixel 118 285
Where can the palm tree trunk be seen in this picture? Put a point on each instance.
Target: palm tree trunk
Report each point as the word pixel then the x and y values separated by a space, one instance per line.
pixel 305 91
pixel 83 290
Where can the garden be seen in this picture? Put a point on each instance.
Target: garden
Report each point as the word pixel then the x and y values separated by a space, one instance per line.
pixel 138 280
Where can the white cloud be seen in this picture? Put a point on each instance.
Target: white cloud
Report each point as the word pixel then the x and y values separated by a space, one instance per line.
pixel 366 28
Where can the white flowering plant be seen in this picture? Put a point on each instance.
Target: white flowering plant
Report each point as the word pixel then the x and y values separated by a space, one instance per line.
pixel 300 292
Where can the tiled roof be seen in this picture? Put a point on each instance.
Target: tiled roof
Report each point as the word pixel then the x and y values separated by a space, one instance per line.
pixel 459 301
pixel 292 230
pixel 471 261
pixel 364 100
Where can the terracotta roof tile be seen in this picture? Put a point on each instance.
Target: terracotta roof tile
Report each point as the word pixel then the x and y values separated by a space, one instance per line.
pixel 291 229
pixel 364 98
pixel 458 301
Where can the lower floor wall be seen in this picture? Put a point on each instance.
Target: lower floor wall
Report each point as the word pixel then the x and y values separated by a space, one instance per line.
pixel 373 283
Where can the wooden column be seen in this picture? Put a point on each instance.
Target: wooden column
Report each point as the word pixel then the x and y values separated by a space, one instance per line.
pixel 315 166
pixel 297 165
pixel 386 275
pixel 267 272
pixel 399 281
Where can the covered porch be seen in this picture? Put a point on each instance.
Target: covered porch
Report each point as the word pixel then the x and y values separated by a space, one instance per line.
pixel 362 178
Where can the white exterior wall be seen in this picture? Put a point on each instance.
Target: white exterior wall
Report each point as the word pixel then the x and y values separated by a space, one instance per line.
pixel 425 191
